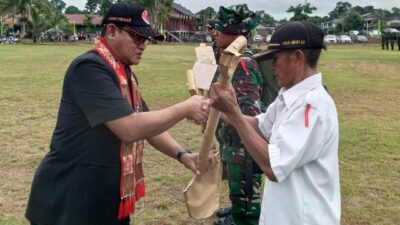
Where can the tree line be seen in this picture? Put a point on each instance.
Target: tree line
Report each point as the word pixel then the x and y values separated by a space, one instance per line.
pixel 349 17
pixel 38 15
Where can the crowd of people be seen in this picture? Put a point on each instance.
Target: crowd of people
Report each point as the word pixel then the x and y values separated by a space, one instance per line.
pixel 45 36
pixel 49 36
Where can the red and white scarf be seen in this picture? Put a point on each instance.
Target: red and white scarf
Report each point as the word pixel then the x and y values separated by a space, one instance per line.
pixel 132 186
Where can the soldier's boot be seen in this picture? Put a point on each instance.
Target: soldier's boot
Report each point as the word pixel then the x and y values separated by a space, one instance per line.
pixel 222 212
pixel 226 220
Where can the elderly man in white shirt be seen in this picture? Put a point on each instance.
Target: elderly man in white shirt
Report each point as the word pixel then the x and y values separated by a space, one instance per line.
pixel 295 142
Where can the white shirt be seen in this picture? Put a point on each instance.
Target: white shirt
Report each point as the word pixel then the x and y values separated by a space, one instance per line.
pixel 303 156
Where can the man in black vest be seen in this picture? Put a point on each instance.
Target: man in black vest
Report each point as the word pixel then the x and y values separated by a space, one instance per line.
pixel 93 174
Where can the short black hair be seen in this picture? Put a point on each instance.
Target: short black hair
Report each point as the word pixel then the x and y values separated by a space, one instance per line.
pixel 312 56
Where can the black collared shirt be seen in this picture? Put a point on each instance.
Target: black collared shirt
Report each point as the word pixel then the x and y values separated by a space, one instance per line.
pixel 78 181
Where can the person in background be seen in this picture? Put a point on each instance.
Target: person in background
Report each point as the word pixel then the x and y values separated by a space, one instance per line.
pixel 383 40
pixel 392 37
pixel 398 40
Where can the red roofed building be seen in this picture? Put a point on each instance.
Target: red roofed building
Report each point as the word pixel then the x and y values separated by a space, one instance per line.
pixel 79 21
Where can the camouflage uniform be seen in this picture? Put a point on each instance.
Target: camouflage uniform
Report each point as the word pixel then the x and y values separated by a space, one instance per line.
pixel 387 40
pixel 383 40
pixel 392 37
pixel 398 40
pixel 244 176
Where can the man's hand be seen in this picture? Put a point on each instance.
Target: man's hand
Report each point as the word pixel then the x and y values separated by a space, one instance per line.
pixel 225 101
pixel 199 108
pixel 189 160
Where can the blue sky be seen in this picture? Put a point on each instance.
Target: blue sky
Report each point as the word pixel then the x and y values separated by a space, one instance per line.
pixel 276 8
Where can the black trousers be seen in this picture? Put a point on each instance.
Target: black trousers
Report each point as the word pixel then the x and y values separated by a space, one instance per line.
pixel 122 222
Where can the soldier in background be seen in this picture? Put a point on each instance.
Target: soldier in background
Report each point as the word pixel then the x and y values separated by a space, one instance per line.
pixel 392 37
pixel 398 40
pixel 244 176
pixel 387 37
pixel 383 39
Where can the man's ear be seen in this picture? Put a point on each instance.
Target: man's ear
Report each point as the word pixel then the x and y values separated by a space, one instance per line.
pixel 300 56
pixel 111 31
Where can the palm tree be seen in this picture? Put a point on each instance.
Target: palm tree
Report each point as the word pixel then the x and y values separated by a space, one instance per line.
pixel 37 22
pixel 57 18
pixel 8 7
pixel 23 8
pixel 88 21
pixel 163 13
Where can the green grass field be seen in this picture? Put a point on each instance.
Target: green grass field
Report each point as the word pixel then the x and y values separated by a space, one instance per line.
pixel 363 80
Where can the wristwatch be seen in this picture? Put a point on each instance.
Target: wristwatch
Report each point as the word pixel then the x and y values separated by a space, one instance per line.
pixel 181 153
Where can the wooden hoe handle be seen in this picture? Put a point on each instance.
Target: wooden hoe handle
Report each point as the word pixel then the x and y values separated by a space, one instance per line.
pixel 228 62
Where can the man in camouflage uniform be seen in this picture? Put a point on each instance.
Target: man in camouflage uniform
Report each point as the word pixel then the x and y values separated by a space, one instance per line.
pixel 244 176
pixel 398 40
pixel 383 39
pixel 392 37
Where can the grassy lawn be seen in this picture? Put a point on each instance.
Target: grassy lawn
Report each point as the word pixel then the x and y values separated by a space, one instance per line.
pixel 363 80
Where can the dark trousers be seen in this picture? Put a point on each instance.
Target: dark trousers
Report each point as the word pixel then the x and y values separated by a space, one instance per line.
pixel 123 222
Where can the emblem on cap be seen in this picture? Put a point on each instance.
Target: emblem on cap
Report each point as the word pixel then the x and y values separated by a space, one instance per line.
pixel 145 17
